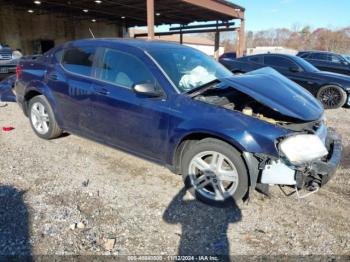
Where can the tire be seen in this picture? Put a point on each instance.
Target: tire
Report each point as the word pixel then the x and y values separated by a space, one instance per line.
pixel 332 97
pixel 42 119
pixel 204 182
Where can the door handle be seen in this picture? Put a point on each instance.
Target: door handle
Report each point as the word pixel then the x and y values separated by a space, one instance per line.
pixel 102 91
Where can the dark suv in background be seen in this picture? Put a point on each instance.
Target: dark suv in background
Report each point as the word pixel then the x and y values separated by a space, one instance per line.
pixel 327 61
pixel 8 60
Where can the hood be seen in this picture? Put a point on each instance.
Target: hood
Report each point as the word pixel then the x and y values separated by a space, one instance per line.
pixel 277 92
pixel 334 76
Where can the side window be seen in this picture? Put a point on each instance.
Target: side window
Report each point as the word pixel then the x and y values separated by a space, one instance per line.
pixel 79 60
pixel 276 61
pixel 335 59
pixel 319 56
pixel 123 69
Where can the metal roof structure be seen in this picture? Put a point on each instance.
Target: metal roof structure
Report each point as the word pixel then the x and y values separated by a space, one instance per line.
pixel 129 13
pixel 132 12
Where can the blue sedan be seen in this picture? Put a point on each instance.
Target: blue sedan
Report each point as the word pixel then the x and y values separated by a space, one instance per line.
pixel 177 107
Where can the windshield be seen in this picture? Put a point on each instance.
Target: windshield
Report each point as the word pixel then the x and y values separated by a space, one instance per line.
pixel 305 65
pixel 188 68
pixel 347 58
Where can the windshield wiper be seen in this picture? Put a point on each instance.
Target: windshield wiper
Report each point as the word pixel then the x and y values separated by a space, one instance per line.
pixel 202 88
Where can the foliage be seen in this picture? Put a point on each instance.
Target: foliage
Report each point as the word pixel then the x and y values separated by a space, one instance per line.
pixel 299 38
pixel 302 39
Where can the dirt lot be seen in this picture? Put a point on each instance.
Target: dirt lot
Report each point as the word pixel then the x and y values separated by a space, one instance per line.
pixel 130 206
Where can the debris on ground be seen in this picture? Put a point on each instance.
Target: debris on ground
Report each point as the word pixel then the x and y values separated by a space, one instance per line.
pixel 7 128
pixel 136 203
pixel 109 244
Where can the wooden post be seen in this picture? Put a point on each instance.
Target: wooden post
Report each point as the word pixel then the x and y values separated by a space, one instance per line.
pixel 150 19
pixel 238 49
pixel 241 38
pixel 181 36
pixel 217 45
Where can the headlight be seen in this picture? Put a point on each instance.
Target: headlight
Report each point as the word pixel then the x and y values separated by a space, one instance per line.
pixel 301 149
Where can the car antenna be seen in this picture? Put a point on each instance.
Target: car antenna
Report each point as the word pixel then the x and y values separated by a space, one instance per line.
pixel 93 36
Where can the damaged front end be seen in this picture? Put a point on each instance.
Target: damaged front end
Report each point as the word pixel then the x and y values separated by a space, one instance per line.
pixel 313 168
pixel 308 155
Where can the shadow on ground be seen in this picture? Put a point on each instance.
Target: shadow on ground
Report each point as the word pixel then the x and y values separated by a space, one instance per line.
pixel 204 228
pixel 14 226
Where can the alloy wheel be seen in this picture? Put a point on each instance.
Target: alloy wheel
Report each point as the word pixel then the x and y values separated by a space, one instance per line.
pixel 213 175
pixel 40 118
pixel 331 97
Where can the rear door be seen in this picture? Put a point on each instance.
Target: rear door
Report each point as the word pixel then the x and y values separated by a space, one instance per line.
pixel 321 61
pixel 122 118
pixel 69 78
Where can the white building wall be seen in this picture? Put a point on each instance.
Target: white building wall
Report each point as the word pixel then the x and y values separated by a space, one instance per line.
pixel 271 49
pixel 207 49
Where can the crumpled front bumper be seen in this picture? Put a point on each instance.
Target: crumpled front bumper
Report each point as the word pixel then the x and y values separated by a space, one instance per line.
pixel 309 176
pixel 324 170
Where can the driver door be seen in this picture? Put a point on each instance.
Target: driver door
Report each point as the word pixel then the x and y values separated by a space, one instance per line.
pixel 122 118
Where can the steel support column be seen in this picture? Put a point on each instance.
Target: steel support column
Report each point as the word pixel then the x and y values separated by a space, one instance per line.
pixel 150 19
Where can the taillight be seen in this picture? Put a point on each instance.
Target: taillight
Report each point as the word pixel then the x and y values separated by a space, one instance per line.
pixel 18 71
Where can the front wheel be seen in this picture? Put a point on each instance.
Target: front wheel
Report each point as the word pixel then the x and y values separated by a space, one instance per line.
pixel 42 119
pixel 214 172
pixel 332 97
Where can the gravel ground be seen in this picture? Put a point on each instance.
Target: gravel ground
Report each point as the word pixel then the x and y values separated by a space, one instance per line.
pixel 73 196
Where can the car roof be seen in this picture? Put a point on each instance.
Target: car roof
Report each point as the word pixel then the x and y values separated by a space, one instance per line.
pixel 143 44
pixel 316 51
pixel 271 54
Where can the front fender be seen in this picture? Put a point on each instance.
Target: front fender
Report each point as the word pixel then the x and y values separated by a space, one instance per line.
pixel 246 134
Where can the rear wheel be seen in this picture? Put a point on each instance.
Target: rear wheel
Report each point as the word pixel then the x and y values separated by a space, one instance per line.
pixel 42 119
pixel 214 172
pixel 332 97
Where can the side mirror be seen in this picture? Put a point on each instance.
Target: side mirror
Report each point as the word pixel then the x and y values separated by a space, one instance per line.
pixel 147 89
pixel 345 62
pixel 295 69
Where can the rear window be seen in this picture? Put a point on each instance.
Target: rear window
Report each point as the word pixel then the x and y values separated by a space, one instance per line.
pixel 255 59
pixel 79 60
pixel 303 55
pixel 276 61
pixel 319 56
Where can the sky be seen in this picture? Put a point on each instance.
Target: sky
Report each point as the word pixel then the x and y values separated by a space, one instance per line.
pixel 267 14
